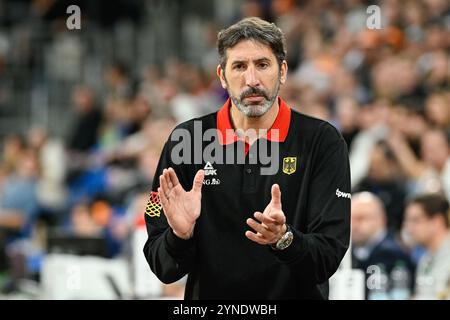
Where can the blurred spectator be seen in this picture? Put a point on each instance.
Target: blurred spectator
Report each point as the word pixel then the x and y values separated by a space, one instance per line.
pixel 124 227
pixel 372 121
pixel 252 8
pixel 429 172
pixel 83 135
pixel 289 18
pixel 436 153
pixel 193 100
pixel 347 112
pixel 115 126
pixel 153 134
pixel 82 223
pixel 318 66
pixel 87 120
pixel 18 200
pixel 51 189
pixel 372 245
pixel 18 206
pixel 410 123
pixel 436 70
pixel 317 110
pixel 141 109
pixel 384 181
pixel 159 91
pixel 344 84
pixel 119 84
pixel 437 110
pixel 427 223
pixel 94 220
pixel 12 150
pixel 414 15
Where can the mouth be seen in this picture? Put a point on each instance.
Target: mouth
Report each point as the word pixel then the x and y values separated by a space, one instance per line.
pixel 254 98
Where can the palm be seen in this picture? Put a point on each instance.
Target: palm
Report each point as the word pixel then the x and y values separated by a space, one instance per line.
pixel 181 208
pixel 272 208
pixel 269 226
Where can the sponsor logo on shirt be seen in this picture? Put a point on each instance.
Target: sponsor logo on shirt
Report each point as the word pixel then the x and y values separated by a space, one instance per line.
pixel 341 194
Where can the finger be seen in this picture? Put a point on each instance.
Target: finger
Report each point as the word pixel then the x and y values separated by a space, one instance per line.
pixel 173 177
pixel 276 195
pixel 267 221
pixel 254 237
pixel 164 200
pixel 166 175
pixel 264 217
pixel 258 227
pixel 198 181
pixel 163 185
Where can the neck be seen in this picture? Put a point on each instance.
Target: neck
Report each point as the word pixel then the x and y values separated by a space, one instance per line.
pixel 437 241
pixel 260 124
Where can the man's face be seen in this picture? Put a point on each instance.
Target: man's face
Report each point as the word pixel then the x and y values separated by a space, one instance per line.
pixel 366 221
pixel 418 225
pixel 435 150
pixel 252 77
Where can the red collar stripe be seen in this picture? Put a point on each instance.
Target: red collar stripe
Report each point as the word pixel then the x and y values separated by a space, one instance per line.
pixel 281 123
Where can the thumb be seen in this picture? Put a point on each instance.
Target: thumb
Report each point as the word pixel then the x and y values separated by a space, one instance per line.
pixel 276 195
pixel 198 181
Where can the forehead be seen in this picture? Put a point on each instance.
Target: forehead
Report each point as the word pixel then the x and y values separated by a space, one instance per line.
pixel 415 209
pixel 248 50
pixel 434 136
pixel 363 208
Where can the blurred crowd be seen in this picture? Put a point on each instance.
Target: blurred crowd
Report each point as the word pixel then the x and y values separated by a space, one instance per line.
pixel 386 90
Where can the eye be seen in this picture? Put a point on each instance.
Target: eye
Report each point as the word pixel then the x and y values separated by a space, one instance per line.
pixel 263 65
pixel 239 67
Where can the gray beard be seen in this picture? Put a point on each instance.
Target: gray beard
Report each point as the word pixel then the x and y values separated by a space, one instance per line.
pixel 255 110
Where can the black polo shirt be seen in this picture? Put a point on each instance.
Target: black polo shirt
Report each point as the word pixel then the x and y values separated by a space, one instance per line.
pixel 314 177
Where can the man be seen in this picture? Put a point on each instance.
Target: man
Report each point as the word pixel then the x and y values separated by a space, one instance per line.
pixel 383 181
pixel 427 223
pixel 18 206
pixel 234 233
pixel 371 243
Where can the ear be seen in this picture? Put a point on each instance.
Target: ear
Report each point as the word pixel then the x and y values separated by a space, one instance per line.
pixel 221 75
pixel 283 72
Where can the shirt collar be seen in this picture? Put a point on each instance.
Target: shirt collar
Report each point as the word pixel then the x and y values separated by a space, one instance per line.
pixel 281 123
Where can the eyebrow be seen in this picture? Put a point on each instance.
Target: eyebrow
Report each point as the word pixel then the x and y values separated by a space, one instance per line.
pixel 255 61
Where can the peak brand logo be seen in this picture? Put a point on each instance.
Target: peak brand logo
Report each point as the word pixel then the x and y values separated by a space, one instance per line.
pixel 209 169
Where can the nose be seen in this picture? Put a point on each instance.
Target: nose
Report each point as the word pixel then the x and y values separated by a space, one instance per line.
pixel 251 77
